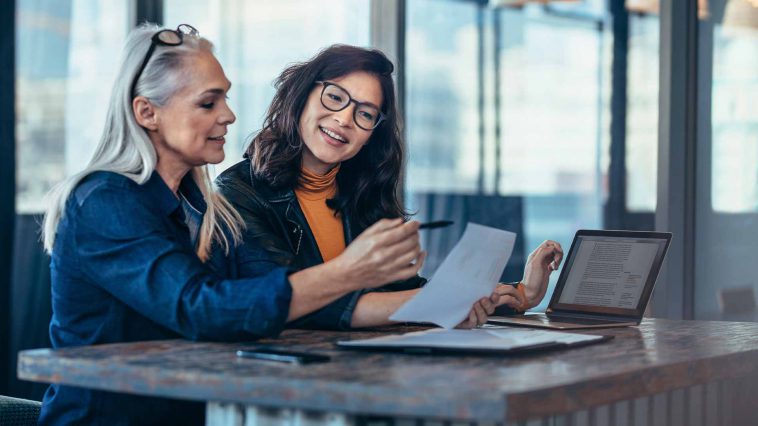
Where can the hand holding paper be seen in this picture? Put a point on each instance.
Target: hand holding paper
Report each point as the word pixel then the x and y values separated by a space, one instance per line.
pixel 469 272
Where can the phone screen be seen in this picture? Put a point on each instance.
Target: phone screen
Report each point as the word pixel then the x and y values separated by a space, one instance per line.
pixel 279 355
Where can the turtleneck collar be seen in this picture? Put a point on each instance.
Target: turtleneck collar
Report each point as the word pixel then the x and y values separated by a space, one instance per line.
pixel 315 186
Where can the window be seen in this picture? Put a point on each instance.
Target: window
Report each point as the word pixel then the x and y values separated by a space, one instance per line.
pixel 68 54
pixel 734 109
pixel 726 185
pixel 642 113
pixel 442 95
pixel 64 61
pixel 507 119
pixel 257 40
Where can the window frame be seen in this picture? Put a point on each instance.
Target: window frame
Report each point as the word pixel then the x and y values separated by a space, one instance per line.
pixel 7 179
pixel 677 138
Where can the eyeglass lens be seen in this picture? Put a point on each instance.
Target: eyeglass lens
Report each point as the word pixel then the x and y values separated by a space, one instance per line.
pixel 170 37
pixel 335 98
pixel 174 37
pixel 188 29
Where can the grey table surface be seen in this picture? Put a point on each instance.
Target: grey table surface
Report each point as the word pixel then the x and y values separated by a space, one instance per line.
pixel 659 355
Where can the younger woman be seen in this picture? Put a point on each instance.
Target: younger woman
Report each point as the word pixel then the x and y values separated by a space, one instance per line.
pixel 324 168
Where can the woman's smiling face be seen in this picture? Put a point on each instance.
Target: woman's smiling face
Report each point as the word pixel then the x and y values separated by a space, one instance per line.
pixel 331 137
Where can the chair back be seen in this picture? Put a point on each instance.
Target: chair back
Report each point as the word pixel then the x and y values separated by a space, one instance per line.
pixel 18 412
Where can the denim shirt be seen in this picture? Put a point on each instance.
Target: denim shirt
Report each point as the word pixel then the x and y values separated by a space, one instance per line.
pixel 124 269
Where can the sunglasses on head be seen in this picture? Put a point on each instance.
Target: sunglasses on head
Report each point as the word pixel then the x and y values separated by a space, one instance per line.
pixel 163 38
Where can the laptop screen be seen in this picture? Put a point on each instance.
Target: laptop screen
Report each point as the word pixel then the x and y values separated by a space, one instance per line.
pixel 610 272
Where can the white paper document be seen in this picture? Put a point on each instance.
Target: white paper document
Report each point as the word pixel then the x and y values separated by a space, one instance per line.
pixel 469 272
pixel 481 339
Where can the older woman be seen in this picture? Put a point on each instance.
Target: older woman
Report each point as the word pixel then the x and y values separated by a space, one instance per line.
pixel 130 235
pixel 325 167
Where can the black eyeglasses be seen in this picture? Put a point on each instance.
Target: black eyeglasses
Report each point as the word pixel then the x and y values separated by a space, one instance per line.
pixel 335 98
pixel 164 38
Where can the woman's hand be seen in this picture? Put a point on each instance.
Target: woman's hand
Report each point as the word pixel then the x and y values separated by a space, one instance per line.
pixel 484 307
pixel 387 251
pixel 478 314
pixel 507 294
pixel 541 263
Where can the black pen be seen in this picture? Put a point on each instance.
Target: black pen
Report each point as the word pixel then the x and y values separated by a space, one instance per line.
pixel 436 224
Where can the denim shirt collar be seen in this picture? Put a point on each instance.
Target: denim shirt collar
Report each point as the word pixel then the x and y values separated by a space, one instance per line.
pixel 192 193
pixel 165 200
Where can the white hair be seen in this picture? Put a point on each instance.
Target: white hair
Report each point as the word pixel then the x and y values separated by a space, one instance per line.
pixel 125 147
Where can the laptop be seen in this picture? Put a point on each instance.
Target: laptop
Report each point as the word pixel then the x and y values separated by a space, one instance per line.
pixel 606 281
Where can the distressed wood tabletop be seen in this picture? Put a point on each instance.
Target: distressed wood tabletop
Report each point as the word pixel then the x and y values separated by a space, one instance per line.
pixel 658 356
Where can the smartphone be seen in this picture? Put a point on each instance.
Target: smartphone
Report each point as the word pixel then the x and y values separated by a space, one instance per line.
pixel 279 355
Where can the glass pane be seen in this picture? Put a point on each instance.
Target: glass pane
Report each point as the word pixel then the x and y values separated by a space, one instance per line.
pixel 734 116
pixel 65 62
pixel 727 185
pixel 442 96
pixel 546 120
pixel 507 120
pixel 642 113
pixel 259 39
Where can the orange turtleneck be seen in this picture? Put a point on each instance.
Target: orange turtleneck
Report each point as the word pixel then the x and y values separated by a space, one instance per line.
pixel 312 192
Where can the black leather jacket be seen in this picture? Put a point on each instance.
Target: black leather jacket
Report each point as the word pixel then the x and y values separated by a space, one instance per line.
pixel 274 220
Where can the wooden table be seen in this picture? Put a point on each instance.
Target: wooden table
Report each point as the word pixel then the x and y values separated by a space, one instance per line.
pixel 664 371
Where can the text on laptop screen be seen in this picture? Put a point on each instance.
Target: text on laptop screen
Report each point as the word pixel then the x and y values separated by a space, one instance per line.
pixel 610 272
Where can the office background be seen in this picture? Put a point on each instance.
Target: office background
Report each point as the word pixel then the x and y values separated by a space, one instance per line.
pixel 537 117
